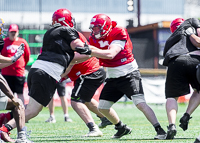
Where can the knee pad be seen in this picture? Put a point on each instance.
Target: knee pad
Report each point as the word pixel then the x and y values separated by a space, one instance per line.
pixel 139 98
pixel 103 104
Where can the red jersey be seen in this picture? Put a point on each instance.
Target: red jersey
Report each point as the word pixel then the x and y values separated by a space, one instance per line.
pixel 125 56
pixel 9 50
pixel 89 66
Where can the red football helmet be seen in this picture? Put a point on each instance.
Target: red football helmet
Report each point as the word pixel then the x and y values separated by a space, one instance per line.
pixel 175 23
pixel 103 22
pixel 64 17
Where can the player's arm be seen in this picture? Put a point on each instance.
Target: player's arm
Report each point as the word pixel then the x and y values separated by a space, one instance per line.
pixel 3 65
pixel 14 58
pixel 78 58
pixel 5 59
pixel 195 39
pixel 114 48
pixel 109 53
pixel 65 74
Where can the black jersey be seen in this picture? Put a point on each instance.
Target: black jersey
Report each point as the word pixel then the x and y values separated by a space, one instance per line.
pixel 56 45
pixel 179 43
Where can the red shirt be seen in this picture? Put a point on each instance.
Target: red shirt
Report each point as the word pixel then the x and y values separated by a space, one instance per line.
pixel 89 66
pixel 9 49
pixel 125 56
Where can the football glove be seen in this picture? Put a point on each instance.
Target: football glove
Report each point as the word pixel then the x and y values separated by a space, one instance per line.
pixel 190 31
pixel 18 54
pixel 84 50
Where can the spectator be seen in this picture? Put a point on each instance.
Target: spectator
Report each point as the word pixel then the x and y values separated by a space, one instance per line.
pixel 123 77
pixel 181 57
pixel 60 86
pixel 15 73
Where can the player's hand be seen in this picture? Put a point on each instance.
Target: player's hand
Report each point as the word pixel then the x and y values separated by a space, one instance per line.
pixel 18 54
pixel 190 31
pixel 62 79
pixel 84 50
pixel 17 103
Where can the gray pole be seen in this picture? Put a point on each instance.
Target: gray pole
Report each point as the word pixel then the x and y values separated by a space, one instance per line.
pixel 138 13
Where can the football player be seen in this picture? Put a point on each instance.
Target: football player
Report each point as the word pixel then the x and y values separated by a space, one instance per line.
pixel 7 100
pixel 123 77
pixel 181 57
pixel 87 76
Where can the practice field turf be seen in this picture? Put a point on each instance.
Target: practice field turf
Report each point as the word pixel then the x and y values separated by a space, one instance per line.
pixel 142 130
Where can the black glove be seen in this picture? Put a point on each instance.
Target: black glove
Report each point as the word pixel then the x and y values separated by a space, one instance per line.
pixel 18 54
pixel 190 31
pixel 84 50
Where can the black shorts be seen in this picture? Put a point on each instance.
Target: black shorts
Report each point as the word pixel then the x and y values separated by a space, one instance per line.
pixel 180 74
pixel 127 85
pixel 60 86
pixel 41 86
pixel 16 83
pixel 86 85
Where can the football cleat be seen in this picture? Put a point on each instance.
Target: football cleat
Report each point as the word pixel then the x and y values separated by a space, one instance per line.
pixel 184 121
pixel 22 138
pixel 67 119
pixel 171 131
pixel 121 131
pixel 51 120
pixel 104 122
pixel 95 132
pixel 161 134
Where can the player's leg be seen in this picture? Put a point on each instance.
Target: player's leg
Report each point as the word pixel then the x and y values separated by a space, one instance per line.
pixel 135 92
pixel 193 104
pixel 93 106
pixel 64 103
pixel 5 104
pixel 51 119
pixel 19 87
pixel 110 95
pixel 81 94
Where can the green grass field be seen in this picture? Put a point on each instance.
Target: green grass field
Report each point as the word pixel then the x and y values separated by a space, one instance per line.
pixel 142 130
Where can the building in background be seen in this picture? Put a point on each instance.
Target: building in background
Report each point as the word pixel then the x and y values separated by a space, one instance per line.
pixel 36 13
